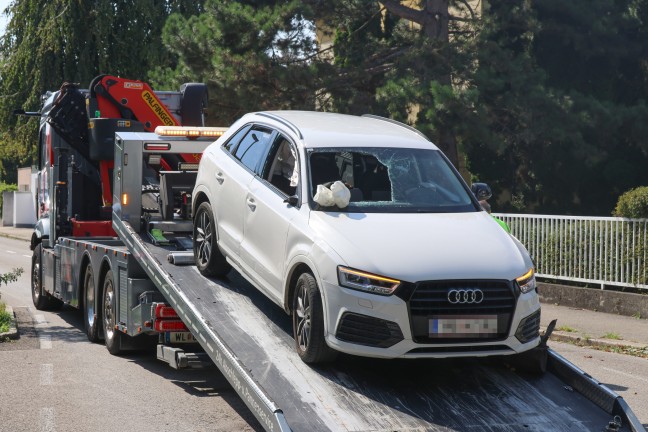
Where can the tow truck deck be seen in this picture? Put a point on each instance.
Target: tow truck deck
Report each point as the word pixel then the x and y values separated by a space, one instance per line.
pixel 249 338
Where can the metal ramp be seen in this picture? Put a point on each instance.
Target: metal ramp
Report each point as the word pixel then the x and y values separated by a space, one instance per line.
pixel 249 338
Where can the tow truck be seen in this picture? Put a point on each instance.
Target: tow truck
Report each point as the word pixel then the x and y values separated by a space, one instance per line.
pixel 114 240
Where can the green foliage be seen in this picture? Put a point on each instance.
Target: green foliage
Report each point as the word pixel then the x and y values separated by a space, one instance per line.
pixel 253 56
pixel 12 276
pixel 47 42
pixel 5 319
pixel 4 187
pixel 633 203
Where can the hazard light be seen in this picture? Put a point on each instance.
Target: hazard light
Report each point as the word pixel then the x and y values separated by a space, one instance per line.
pixel 190 132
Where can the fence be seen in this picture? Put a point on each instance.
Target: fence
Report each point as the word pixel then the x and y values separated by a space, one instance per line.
pixel 600 250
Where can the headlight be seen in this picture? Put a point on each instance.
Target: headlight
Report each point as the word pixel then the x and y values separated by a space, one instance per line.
pixel 368 282
pixel 527 282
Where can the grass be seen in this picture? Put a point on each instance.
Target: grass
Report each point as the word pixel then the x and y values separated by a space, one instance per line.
pixel 612 335
pixel 5 319
pixel 566 329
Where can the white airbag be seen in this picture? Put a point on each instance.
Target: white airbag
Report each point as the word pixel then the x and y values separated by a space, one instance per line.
pixel 338 195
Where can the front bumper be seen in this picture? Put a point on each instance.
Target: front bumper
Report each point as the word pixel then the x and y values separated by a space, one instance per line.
pixel 370 325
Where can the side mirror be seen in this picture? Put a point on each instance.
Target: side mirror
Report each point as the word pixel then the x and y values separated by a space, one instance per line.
pixel 482 191
pixel 292 200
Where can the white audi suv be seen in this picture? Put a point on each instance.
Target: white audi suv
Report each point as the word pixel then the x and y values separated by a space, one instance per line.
pixel 362 230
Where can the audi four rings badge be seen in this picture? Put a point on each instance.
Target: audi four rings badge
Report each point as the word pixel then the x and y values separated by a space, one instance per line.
pixel 465 296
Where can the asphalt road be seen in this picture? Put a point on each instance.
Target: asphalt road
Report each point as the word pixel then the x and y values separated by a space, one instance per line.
pixel 53 379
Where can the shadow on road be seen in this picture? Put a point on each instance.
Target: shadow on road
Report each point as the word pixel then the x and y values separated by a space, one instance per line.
pixel 208 382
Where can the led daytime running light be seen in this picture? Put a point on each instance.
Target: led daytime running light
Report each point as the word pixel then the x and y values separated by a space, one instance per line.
pixel 367 282
pixel 527 281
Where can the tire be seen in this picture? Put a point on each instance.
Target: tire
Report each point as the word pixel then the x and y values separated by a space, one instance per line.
pixel 308 322
pixel 42 300
pixel 38 296
pixel 193 103
pixel 207 255
pixel 112 337
pixel 91 317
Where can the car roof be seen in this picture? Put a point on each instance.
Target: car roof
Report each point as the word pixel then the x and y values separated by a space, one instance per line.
pixel 324 129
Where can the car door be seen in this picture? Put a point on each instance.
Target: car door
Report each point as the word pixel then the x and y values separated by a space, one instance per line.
pixel 234 170
pixel 268 216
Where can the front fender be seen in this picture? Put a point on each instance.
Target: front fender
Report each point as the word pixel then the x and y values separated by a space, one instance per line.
pixel 41 232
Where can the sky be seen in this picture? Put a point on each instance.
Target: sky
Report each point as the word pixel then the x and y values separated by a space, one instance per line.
pixel 3 18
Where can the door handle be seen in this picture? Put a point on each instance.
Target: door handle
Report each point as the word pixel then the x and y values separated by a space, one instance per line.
pixel 251 203
pixel 219 178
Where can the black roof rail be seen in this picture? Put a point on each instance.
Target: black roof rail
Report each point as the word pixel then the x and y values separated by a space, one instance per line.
pixel 282 121
pixel 396 122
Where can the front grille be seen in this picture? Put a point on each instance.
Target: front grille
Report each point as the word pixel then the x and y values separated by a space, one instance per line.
pixel 369 331
pixel 430 300
pixel 529 328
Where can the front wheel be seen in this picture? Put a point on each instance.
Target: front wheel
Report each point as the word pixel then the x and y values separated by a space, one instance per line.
pixel 38 296
pixel 112 336
pixel 208 257
pixel 42 300
pixel 308 322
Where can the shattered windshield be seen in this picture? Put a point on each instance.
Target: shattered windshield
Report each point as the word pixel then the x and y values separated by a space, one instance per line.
pixel 385 180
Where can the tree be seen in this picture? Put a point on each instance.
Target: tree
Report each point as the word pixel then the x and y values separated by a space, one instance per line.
pixel 254 55
pixel 437 23
pixel 558 129
pixel 49 42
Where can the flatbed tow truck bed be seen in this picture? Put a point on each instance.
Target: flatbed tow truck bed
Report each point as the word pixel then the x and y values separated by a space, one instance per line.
pixel 249 339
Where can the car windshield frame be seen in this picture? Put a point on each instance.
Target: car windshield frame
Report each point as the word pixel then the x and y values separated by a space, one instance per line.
pixel 399 165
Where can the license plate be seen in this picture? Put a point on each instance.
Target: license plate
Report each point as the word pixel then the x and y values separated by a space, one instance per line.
pixel 463 326
pixel 179 337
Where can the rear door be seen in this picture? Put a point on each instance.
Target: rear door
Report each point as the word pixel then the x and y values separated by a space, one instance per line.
pixel 234 170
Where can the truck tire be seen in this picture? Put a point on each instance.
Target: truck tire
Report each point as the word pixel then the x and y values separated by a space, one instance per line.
pixel 91 317
pixel 38 296
pixel 308 322
pixel 42 300
pixel 207 255
pixel 112 336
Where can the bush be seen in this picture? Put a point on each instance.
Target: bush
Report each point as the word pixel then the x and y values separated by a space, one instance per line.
pixel 5 319
pixel 633 203
pixel 6 187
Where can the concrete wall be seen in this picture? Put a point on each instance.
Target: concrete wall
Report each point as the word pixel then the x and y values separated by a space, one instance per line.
pixel 615 302
pixel 7 208
pixel 24 211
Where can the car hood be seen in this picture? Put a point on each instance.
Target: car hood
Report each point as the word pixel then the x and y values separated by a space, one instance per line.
pixel 423 246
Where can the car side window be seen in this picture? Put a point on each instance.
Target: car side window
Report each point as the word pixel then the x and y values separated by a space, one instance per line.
pixel 253 147
pixel 235 139
pixel 281 168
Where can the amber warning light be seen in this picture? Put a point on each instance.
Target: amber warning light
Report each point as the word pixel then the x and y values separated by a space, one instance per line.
pixel 190 132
